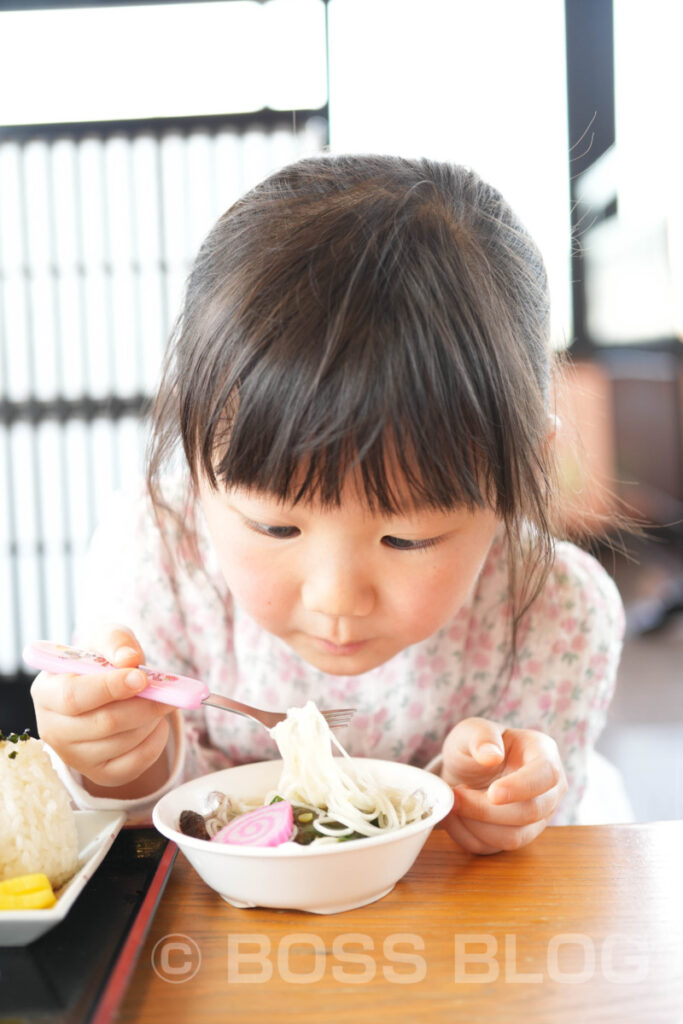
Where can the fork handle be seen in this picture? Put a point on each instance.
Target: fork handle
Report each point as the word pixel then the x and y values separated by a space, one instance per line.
pixel 266 718
pixel 181 691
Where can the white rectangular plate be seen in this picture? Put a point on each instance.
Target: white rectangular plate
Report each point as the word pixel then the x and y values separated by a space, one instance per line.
pixel 96 831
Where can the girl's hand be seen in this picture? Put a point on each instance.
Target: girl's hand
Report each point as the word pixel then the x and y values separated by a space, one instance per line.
pixel 507 783
pixel 95 723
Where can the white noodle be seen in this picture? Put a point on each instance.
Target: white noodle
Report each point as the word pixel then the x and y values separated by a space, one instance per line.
pixel 312 777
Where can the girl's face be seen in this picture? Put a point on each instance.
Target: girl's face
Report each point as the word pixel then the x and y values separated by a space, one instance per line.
pixel 347 589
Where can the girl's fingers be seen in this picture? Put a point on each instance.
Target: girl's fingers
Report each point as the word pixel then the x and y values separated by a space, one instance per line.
pixel 472 745
pixel 461 835
pixel 504 837
pixel 484 837
pixel 116 643
pixel 482 740
pixel 125 767
pixel 534 778
pixel 103 722
pixel 77 694
pixel 99 752
pixel 508 803
pixel 474 805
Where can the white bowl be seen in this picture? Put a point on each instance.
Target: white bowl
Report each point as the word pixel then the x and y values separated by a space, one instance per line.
pixel 322 879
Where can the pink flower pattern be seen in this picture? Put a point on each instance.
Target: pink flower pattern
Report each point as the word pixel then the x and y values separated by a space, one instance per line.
pixel 569 646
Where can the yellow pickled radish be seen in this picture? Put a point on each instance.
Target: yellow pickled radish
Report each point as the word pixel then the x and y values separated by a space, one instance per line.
pixel 27 892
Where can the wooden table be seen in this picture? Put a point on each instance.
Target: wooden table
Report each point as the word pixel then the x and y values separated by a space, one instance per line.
pixel 586 924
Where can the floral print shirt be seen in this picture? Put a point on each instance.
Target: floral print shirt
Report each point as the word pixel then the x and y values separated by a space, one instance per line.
pixel 175 600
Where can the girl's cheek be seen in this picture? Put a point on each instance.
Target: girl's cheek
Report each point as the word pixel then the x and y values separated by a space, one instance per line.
pixel 434 600
pixel 432 606
pixel 254 589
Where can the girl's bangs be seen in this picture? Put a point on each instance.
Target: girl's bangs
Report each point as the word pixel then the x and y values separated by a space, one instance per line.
pixel 304 447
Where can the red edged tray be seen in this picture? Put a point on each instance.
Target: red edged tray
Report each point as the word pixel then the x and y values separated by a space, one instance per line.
pixel 78 972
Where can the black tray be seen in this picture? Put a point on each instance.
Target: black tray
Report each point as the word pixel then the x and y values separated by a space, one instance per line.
pixel 77 972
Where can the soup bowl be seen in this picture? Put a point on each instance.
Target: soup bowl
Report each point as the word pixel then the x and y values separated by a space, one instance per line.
pixel 319 878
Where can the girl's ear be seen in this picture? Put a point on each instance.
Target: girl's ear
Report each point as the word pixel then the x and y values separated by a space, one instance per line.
pixel 554 427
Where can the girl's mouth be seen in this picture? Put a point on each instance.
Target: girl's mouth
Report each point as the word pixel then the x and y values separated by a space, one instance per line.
pixel 339 649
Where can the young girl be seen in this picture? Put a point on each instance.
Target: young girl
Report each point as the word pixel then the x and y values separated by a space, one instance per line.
pixel 361 380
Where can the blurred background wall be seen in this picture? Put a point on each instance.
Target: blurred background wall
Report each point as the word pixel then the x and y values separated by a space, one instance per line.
pixel 127 129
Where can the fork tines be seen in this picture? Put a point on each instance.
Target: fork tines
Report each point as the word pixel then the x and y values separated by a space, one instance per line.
pixel 338 718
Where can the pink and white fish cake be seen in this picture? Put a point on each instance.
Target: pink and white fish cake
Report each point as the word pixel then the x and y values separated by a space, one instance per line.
pixel 266 826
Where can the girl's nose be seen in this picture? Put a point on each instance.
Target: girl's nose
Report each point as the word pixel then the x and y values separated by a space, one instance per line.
pixel 338 588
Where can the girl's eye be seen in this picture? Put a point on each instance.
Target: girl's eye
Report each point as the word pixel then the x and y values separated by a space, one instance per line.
pixel 276 532
pixel 409 545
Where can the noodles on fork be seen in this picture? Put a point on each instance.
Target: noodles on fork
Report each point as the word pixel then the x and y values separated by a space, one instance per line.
pixel 312 777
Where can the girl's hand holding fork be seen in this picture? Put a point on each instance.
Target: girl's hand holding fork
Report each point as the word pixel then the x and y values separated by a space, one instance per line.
pixel 97 727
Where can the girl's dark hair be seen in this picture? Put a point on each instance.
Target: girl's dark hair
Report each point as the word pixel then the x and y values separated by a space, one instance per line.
pixel 350 310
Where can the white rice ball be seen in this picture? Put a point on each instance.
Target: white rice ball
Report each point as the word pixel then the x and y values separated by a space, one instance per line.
pixel 37 824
